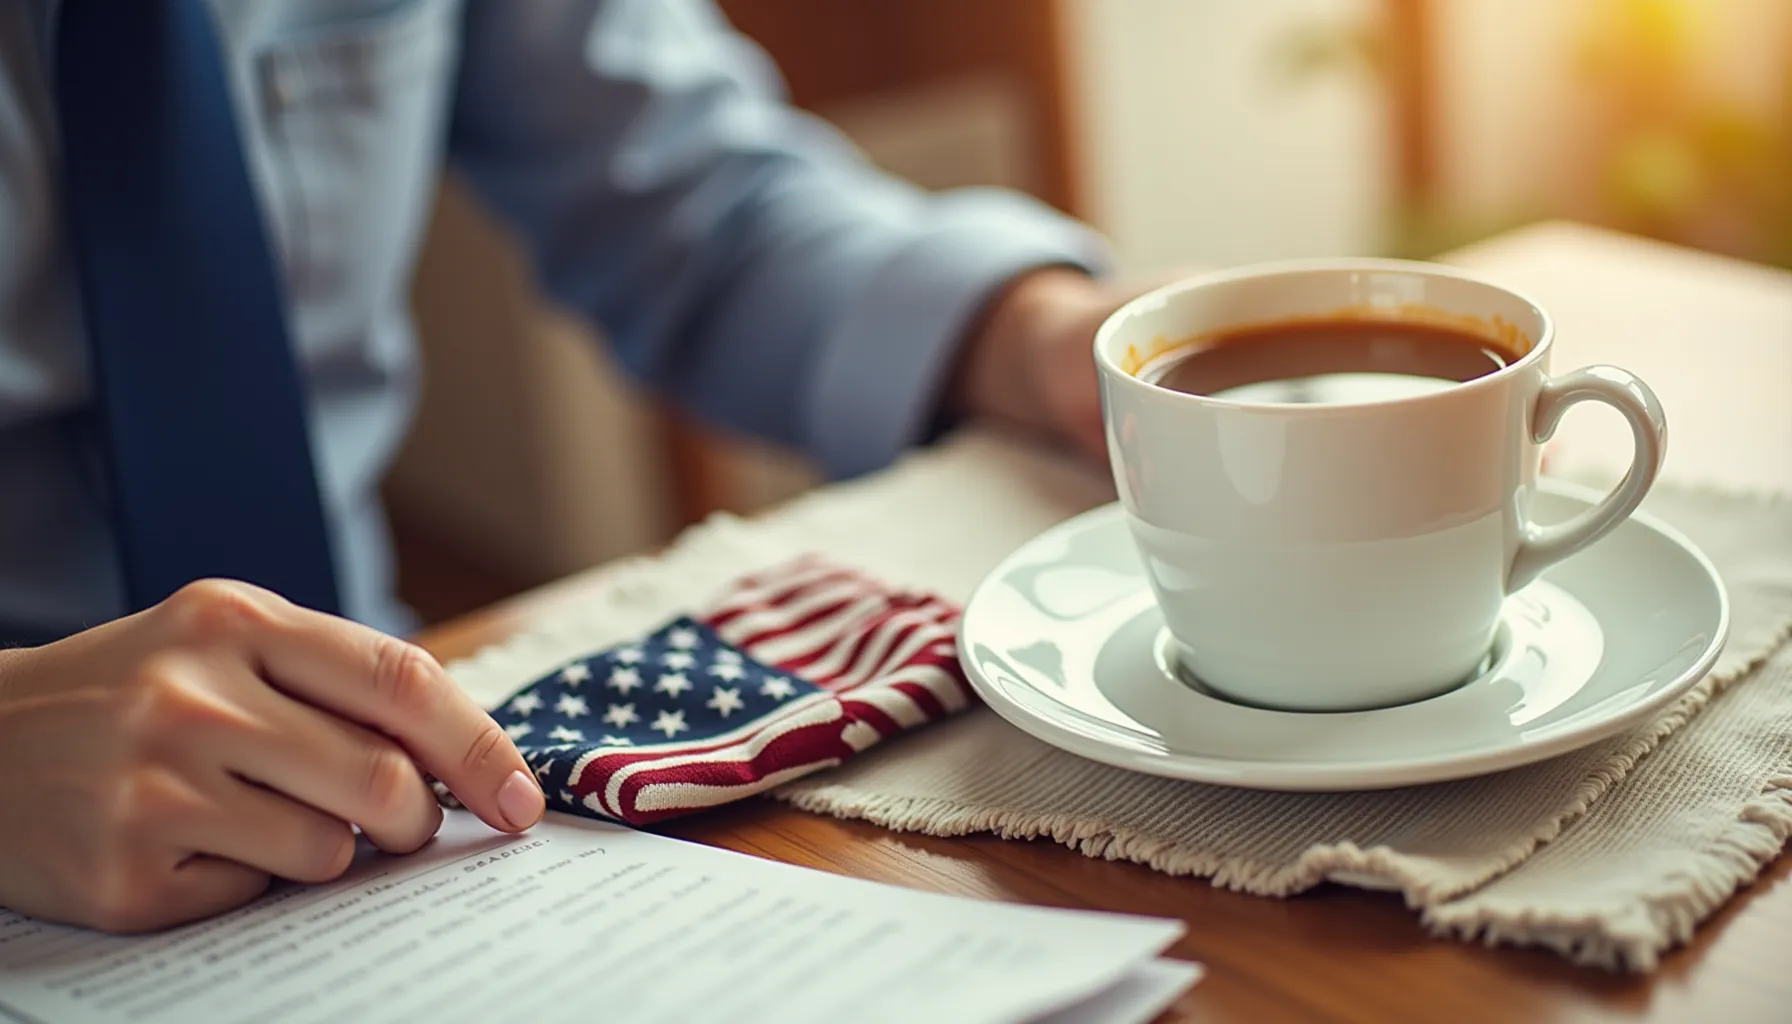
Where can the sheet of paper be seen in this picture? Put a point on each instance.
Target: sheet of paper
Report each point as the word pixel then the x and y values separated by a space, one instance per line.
pixel 1135 999
pixel 582 921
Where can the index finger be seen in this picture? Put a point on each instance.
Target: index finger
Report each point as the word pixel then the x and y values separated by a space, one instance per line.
pixel 397 688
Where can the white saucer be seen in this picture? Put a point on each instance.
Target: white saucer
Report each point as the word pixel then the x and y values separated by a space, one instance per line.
pixel 1064 641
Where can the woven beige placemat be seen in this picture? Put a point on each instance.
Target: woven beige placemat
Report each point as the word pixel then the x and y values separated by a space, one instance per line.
pixel 1610 855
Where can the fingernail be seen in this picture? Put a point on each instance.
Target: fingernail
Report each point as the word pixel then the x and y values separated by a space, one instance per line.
pixel 520 800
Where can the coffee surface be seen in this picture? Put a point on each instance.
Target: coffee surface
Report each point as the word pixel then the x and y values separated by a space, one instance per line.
pixel 1329 362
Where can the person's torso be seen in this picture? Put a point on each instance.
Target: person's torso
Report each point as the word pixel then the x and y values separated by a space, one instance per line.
pixel 342 105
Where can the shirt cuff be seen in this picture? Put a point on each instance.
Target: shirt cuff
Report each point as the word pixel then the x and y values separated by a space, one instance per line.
pixel 879 385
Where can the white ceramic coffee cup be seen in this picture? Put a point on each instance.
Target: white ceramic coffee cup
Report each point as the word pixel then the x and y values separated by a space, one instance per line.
pixel 1335 557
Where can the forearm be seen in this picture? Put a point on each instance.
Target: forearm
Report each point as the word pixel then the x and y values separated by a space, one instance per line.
pixel 741 257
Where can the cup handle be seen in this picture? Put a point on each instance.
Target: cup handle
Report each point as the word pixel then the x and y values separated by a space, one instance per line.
pixel 1543 546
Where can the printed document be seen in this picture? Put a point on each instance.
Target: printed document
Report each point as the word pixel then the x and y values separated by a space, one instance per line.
pixel 583 921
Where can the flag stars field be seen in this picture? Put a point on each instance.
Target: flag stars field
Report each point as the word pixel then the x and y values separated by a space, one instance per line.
pixel 725 700
pixel 624 678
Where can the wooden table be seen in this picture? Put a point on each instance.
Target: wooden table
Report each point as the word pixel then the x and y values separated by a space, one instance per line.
pixel 1715 338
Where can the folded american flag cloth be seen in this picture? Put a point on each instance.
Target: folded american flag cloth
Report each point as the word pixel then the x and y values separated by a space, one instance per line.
pixel 788 672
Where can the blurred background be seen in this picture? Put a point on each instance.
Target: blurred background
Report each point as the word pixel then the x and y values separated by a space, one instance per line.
pixel 1192 132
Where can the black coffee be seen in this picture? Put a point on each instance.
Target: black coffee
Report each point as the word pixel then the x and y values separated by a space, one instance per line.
pixel 1329 361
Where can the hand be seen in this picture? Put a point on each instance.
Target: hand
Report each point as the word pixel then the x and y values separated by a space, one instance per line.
pixel 163 767
pixel 1031 362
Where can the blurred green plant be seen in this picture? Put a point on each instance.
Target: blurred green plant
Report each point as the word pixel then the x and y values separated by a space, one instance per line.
pixel 1675 160
pixel 1683 162
pixel 1310 50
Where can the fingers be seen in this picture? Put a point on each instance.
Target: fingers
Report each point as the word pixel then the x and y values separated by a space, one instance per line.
pixel 347 772
pixel 196 888
pixel 203 886
pixel 271 833
pixel 398 689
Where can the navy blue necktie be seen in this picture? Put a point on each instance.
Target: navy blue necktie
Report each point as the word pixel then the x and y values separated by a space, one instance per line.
pixel 198 394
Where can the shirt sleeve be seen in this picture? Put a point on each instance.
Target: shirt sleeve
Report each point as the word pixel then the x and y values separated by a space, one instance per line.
pixel 742 257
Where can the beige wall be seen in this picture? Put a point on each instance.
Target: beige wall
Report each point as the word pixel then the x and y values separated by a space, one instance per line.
pixel 1197 151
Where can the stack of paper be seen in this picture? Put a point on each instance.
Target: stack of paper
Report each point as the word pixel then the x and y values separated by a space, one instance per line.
pixel 579 921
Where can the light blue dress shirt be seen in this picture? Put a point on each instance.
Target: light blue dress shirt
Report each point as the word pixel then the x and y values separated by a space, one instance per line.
pixel 741 258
